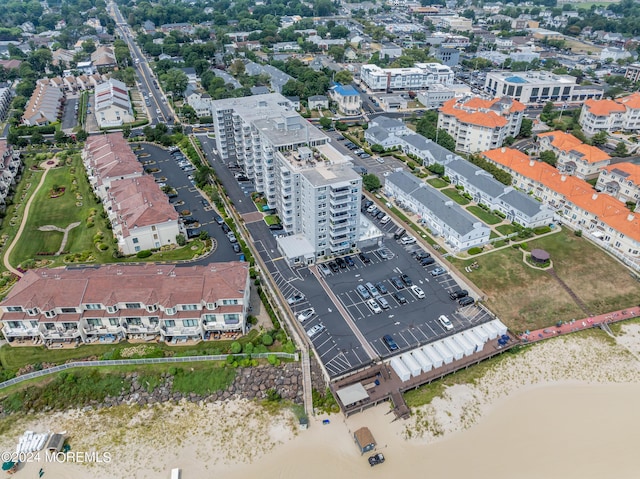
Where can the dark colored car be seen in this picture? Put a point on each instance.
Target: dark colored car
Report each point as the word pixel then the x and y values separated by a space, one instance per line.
pixel 376 459
pixel 427 261
pixel 406 280
pixel 225 228
pixel 341 262
pixel 399 297
pixel 193 233
pixel 276 227
pixel 382 288
pixel 189 220
pixel 349 261
pixel 334 266
pixel 218 219
pixel 389 342
pixel 396 282
pixel 461 293
pixel 364 258
pixel 420 255
pixel 466 301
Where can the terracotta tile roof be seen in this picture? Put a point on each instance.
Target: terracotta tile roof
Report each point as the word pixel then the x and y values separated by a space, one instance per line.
pixel 603 107
pixel 567 143
pixel 630 171
pixel 111 284
pixel 110 156
pixel 476 111
pixel 608 209
pixel 631 101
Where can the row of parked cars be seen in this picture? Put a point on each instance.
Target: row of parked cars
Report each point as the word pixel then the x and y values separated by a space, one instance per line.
pixel 373 294
pixel 355 148
pixel 370 207
pixel 181 160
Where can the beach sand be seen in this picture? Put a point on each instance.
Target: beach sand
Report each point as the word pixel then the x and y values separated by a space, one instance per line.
pixel 564 408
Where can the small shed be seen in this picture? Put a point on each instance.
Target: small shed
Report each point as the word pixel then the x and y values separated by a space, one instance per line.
pixel 56 443
pixel 475 341
pixel 454 348
pixel 364 440
pixel 502 329
pixel 443 352
pixel 400 368
pixel 352 394
pixel 492 332
pixel 422 359
pixel 412 365
pixel 461 341
pixel 433 355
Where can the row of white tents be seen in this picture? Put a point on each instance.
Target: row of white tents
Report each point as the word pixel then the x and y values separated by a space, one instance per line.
pixel 445 351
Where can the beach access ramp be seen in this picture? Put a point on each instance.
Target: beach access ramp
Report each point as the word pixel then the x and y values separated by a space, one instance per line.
pixel 176 474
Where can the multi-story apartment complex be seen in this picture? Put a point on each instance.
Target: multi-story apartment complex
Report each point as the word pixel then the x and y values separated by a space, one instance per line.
pixel 574 157
pixel 112 104
pixel 602 216
pixel 5 101
pixel 539 87
pixel 311 184
pixel 420 76
pixel 479 125
pixel 173 304
pixel 10 167
pixel 621 180
pixel 611 115
pixel 140 213
pixel 633 72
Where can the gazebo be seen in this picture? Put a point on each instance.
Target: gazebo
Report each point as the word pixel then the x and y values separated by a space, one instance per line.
pixel 540 256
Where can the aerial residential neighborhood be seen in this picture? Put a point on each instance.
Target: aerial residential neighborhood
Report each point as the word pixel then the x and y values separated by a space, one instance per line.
pixel 369 220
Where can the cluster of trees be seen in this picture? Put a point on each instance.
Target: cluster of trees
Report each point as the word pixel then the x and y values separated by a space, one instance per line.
pixel 308 82
pixel 427 126
pixel 629 24
pixel 499 174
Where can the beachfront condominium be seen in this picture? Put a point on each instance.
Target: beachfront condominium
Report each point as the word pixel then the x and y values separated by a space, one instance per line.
pixel 539 87
pixel 479 125
pixel 105 304
pixel 418 77
pixel 311 184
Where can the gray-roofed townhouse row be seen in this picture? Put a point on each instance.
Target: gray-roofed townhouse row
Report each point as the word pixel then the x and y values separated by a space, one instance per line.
pixel 443 216
pixel 278 77
pixel 485 189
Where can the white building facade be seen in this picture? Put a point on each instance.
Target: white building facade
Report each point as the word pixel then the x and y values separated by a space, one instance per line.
pixel 420 76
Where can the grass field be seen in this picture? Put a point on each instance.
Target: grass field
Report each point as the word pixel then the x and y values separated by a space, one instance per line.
pixel 437 183
pixel 525 298
pixel 488 218
pixel 455 196
pixel 507 229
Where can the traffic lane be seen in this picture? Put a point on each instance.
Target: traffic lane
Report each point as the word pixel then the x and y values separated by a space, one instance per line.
pixel 177 178
pixel 70 115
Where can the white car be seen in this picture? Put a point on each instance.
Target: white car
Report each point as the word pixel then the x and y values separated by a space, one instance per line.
pixel 374 306
pixel 306 314
pixel 407 240
pixel 417 290
pixel 295 299
pixel 446 323
pixel 318 328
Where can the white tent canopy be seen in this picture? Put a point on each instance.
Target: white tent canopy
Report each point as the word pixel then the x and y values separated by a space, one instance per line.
pixel 352 394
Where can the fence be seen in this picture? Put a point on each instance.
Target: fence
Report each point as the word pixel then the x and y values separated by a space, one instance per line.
pixel 133 362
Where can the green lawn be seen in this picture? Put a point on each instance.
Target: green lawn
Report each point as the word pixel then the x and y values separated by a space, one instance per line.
pixel 488 218
pixel 271 220
pixel 437 183
pixel 455 196
pixel 507 229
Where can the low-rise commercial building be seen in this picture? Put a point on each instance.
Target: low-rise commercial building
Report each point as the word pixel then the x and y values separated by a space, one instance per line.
pixel 535 87
pixel 106 304
pixel 573 157
pixel 479 125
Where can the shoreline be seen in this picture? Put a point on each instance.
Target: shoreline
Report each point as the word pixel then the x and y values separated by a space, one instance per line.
pixel 239 439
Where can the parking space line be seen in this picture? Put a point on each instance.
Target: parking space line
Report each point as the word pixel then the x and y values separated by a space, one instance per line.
pixel 403 338
pixel 328 350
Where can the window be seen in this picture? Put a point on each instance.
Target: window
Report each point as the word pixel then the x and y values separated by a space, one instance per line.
pixel 94 322
pixel 134 321
pixel 231 319
pixel 34 324
pixel 211 305
pixel 132 305
pixel 229 301
pixel 189 323
pixel 113 322
pixel 169 323
pixel 33 312
pixel 152 307
pixel 92 306
pixel 135 240
pixel 170 311
pixel 68 310
pixel 112 309
pixel 154 320
pixel 69 326
pixel 14 324
pixel 14 309
pixel 50 326
pixel 50 314
pixel 137 248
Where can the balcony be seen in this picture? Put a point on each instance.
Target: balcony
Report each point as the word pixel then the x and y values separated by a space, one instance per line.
pixel 60 334
pixel 180 331
pixel 102 329
pixel 143 329
pixel 20 332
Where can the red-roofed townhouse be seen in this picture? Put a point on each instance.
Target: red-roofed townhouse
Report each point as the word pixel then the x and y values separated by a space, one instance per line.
pixel 574 157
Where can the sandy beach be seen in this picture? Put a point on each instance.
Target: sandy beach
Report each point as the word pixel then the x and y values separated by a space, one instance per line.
pixel 563 408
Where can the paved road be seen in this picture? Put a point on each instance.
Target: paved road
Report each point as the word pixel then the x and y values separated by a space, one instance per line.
pixel 70 115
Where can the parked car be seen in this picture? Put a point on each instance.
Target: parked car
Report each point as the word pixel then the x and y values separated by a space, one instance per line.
pixel 397 283
pixel 406 280
pixel 407 240
pixel 460 293
pixel 295 299
pixel 318 328
pixel 385 219
pixel 276 227
pixel 466 301
pixel 438 271
pixel 400 297
pixel 324 269
pixel 218 219
pixel 376 459
pixel 374 306
pixel 193 232
pixel 349 261
pixel 382 288
pixel 420 255
pixel 427 261
pixel 417 290
pixel 384 304
pixel 389 342
pixel 232 237
pixel 380 215
pixel 364 258
pixel 365 155
pixel 363 292
pixel 334 266
pixel 225 228
pixel 306 314
pixel 446 323
pixel 236 248
pixel 341 262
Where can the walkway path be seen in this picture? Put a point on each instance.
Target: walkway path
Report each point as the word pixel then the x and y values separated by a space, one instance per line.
pixel 64 231
pixel 25 216
pixel 578 325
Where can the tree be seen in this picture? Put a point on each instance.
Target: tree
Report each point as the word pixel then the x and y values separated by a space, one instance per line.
pixel 82 135
pixel 60 137
pixel 599 138
pixel 549 157
pixel 620 150
pixel 237 68
pixel 343 77
pixel 88 46
pixel 371 182
pixel 126 131
pixel 175 81
pixel 508 141
pixel 325 122
pixel 337 53
pixel 341 126
pixel 377 148
pixel 526 128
